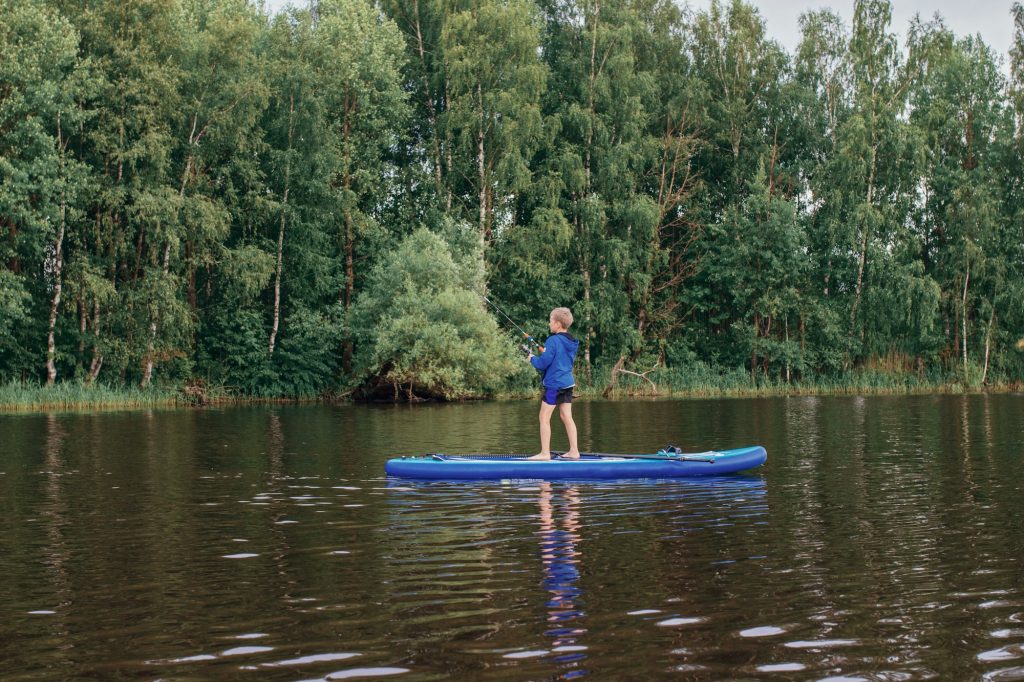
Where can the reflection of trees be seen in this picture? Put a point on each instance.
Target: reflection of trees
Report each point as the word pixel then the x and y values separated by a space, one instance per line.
pixel 884 498
pixel 287 582
pixel 56 514
pixel 275 446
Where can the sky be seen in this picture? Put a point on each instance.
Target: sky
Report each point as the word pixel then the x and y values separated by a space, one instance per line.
pixel 990 18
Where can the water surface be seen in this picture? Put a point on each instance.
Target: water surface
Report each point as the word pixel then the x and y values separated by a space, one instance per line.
pixel 883 540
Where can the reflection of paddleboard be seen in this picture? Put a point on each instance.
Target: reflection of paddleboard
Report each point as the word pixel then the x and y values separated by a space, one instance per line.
pixel 589 466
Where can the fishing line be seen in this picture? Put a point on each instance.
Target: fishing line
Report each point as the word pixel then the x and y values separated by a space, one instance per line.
pixel 501 312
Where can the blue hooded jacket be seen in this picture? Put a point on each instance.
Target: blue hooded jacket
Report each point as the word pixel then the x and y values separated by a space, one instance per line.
pixel 556 360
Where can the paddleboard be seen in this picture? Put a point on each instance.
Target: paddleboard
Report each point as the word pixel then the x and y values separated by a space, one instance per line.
pixel 440 466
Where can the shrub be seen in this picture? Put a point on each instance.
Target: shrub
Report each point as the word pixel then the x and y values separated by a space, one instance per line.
pixel 420 329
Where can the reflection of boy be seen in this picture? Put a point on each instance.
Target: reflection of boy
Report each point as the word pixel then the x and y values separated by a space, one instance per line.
pixel 561 571
pixel 556 364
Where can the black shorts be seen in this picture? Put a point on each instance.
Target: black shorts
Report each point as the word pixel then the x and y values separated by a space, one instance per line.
pixel 557 396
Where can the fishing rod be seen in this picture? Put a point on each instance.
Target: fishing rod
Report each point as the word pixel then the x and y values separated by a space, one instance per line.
pixel 525 334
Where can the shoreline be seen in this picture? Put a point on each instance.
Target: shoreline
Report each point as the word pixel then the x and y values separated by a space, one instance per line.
pixel 16 399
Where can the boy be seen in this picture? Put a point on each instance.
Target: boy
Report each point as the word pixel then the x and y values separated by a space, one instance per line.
pixel 556 364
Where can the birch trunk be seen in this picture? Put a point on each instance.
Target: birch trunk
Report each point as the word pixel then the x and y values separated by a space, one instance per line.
pixel 277 276
pixel 787 349
pixel 988 345
pixel 350 279
pixel 481 166
pixel 448 148
pixel 193 295
pixel 82 320
pixel 586 304
pixel 963 309
pixel 281 227
pixel 97 357
pixel 581 225
pixel 864 241
pixel 753 350
pixel 590 94
pixel 350 236
pixel 57 266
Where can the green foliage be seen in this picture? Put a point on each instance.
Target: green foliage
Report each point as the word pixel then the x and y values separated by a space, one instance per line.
pixel 422 330
pixel 233 353
pixel 308 361
pixel 280 205
pixel 494 81
pixel 754 258
pixel 13 316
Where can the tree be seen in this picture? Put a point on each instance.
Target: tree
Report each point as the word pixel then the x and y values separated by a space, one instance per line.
pixel 865 182
pixel 744 72
pixel 420 327
pixel 359 92
pixel 755 265
pixel 603 106
pixel 43 83
pixel 958 109
pixel 494 83
pixel 222 94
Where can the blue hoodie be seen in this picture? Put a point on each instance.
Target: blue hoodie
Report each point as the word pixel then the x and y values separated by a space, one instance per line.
pixel 556 360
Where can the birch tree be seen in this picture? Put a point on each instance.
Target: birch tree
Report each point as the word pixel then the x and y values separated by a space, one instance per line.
pixel 222 94
pixel 43 84
pixel 357 59
pixel 495 79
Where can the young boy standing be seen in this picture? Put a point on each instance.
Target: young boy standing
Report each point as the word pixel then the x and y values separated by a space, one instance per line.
pixel 556 364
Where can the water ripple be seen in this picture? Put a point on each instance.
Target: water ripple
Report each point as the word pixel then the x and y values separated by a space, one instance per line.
pixel 880 542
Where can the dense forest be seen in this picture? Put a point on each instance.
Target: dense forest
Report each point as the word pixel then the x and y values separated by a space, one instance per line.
pixel 316 201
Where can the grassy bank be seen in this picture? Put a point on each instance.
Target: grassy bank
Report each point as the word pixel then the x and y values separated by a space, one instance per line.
pixel 703 382
pixel 766 390
pixel 16 397
pixel 72 396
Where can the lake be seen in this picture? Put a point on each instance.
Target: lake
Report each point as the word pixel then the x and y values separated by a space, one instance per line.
pixel 883 540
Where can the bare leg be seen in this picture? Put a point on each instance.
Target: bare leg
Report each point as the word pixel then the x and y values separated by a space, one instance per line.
pixel 565 412
pixel 545 431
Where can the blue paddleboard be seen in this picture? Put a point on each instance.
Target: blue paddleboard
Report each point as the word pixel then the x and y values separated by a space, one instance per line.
pixel 588 466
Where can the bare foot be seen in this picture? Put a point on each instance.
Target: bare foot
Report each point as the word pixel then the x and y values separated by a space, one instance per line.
pixel 571 454
pixel 542 455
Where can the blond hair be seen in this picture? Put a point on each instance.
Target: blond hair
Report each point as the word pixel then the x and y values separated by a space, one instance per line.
pixel 563 316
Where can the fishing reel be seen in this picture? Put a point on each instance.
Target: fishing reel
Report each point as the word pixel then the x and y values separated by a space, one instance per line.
pixel 531 345
pixel 532 348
